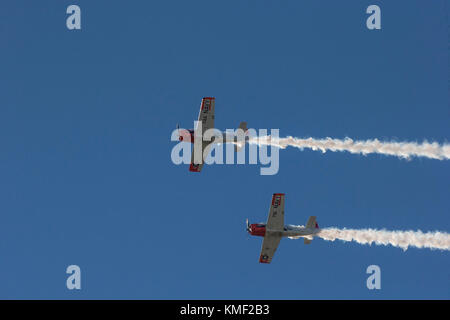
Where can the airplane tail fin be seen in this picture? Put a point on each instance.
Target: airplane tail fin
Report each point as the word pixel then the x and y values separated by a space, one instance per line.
pixel 311 224
pixel 243 127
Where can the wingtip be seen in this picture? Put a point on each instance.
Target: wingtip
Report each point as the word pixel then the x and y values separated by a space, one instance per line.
pixel 278 194
pixel 193 168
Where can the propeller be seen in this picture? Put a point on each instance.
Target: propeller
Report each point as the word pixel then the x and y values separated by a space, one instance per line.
pixel 178 128
pixel 248 229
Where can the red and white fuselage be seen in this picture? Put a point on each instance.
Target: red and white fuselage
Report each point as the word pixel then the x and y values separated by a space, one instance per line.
pixel 259 230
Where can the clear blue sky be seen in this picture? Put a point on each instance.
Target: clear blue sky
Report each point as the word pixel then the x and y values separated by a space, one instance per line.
pixel 85 171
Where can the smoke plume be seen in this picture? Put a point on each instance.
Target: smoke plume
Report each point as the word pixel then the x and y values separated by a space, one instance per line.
pixel 404 150
pixel 401 239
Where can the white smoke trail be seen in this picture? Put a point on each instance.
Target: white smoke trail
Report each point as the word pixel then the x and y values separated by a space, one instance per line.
pixel 400 149
pixel 402 239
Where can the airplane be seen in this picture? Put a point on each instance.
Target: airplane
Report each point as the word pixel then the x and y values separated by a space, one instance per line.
pixel 206 116
pixel 274 229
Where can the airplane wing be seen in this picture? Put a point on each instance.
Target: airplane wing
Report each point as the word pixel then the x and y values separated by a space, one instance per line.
pixel 275 222
pixel 269 246
pixel 274 227
pixel 206 115
pixel 197 167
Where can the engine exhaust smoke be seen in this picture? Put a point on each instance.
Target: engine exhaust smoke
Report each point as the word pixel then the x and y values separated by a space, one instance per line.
pixel 404 150
pixel 401 239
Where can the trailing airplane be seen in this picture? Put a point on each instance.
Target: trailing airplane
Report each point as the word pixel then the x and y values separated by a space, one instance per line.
pixel 206 118
pixel 274 229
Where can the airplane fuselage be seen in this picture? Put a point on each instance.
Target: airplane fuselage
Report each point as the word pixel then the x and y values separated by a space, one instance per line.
pixel 225 137
pixel 260 230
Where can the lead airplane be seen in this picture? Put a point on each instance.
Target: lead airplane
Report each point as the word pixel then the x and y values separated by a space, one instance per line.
pixel 206 118
pixel 274 229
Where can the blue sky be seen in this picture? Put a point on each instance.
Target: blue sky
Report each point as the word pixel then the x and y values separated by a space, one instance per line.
pixel 85 171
